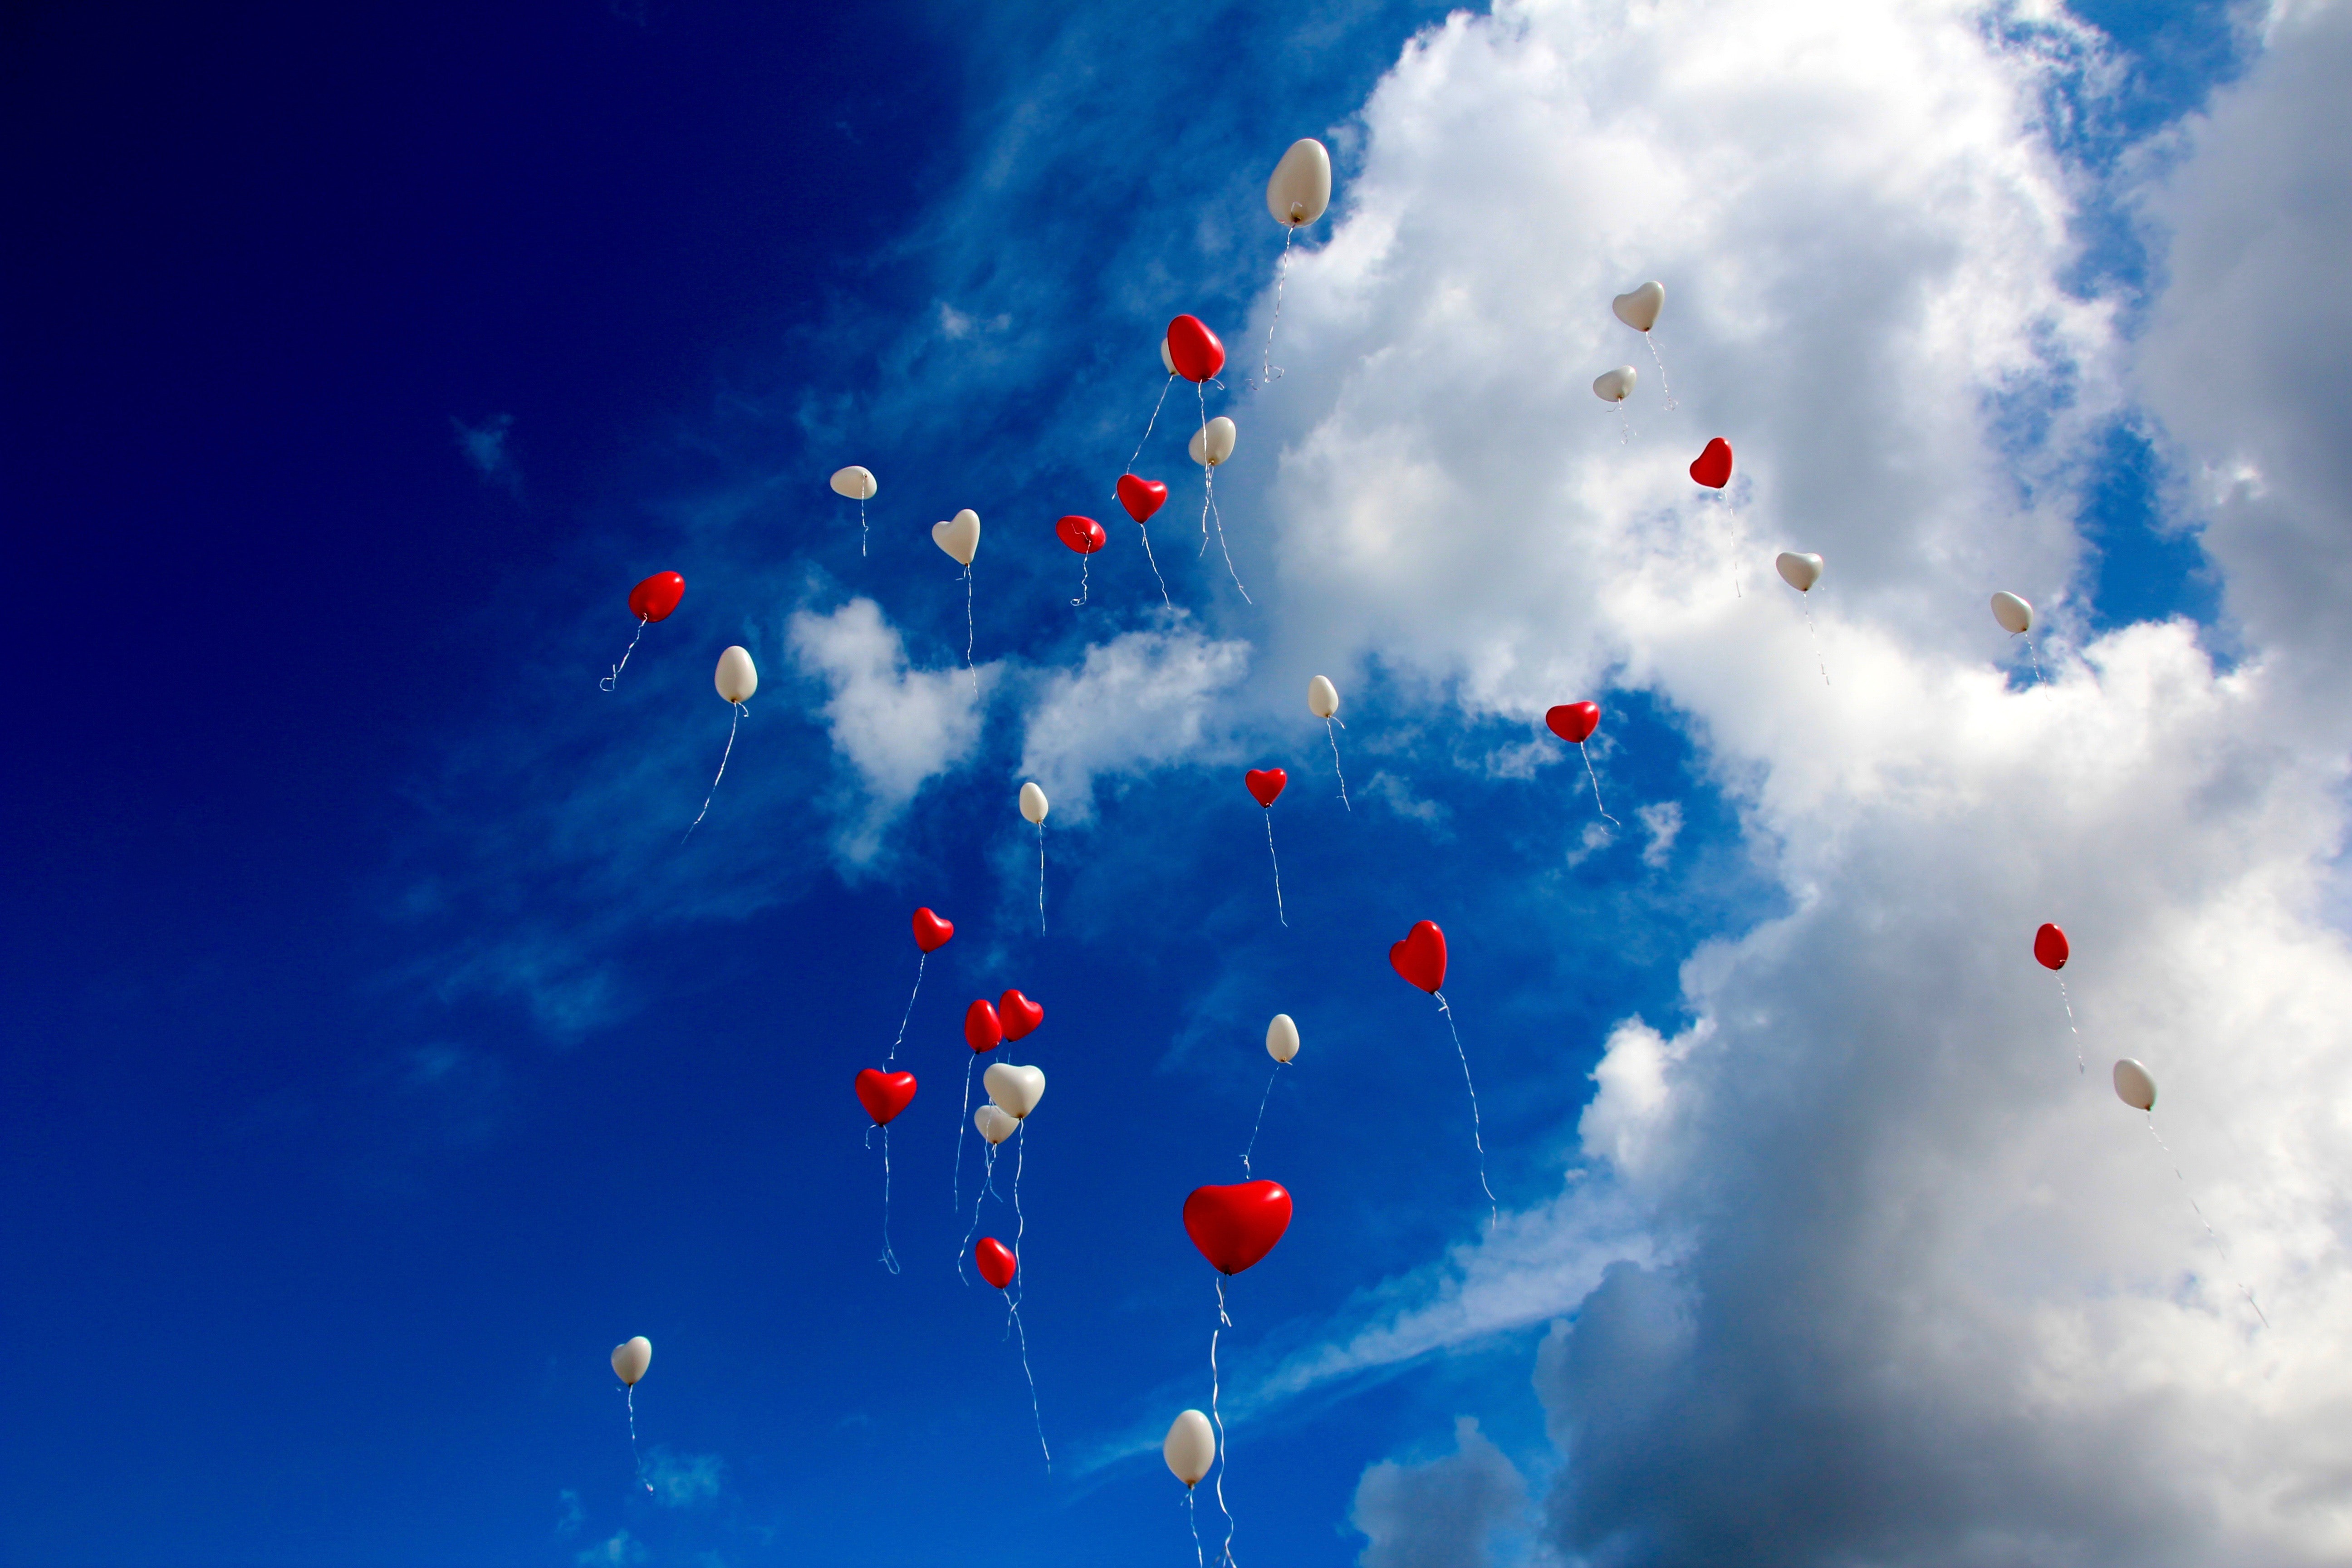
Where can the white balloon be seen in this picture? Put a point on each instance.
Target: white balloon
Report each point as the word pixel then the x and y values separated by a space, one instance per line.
pixel 1033 802
pixel 1165 357
pixel 1800 572
pixel 1282 1038
pixel 995 1125
pixel 1322 698
pixel 2135 1085
pixel 2014 613
pixel 737 677
pixel 1640 309
pixel 1191 1447
pixel 631 1359
pixel 1015 1089
pixel 856 483
pixel 1614 386
pixel 1213 442
pixel 1301 185
pixel 959 536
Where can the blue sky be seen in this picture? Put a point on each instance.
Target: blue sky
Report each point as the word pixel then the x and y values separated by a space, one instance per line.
pixel 382 1056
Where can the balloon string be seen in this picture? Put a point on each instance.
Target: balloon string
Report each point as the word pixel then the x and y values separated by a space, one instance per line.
pixel 631 1391
pixel 1041 879
pixel 1260 1122
pixel 862 533
pixel 1020 1159
pixel 1624 425
pixel 1277 870
pixel 921 958
pixel 967 629
pixel 1192 1518
pixel 1012 1314
pixel 1154 420
pixel 1224 1322
pixel 2219 1245
pixel 1155 566
pixel 1662 371
pixel 740 711
pixel 1083 589
pixel 1813 632
pixel 1494 1209
pixel 2069 1005
pixel 2036 657
pixel 987 1184
pixel 1268 374
pixel 1020 1278
pixel 963 1119
pixel 1209 500
pixel 1596 784
pixel 606 684
pixel 889 1258
pixel 1334 737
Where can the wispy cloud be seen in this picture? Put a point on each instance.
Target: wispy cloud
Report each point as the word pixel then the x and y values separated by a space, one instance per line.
pixel 485 446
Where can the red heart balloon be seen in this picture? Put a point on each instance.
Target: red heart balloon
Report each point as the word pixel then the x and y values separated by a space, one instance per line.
pixel 2050 947
pixel 1141 496
pixel 1195 351
pixel 1574 722
pixel 1234 1227
pixel 1083 534
pixel 931 932
pixel 982 1030
pixel 1019 1014
pixel 656 597
pixel 1713 468
pixel 996 1261
pixel 1266 783
pixel 1421 956
pixel 885 1094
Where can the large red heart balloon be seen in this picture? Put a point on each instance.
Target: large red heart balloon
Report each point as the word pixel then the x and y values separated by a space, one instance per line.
pixel 1421 956
pixel 1234 1227
pixel 1195 351
pixel 1266 783
pixel 982 1030
pixel 931 932
pixel 1574 722
pixel 1141 496
pixel 1018 1014
pixel 1713 468
pixel 2050 947
pixel 656 597
pixel 996 1261
pixel 885 1094
pixel 1083 534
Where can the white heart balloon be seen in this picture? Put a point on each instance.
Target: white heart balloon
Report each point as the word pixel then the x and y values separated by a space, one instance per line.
pixel 856 483
pixel 959 536
pixel 2015 615
pixel 1213 442
pixel 1800 572
pixel 737 677
pixel 1282 1038
pixel 1165 357
pixel 1033 802
pixel 631 1358
pixel 1322 698
pixel 1640 309
pixel 1190 1447
pixel 995 1125
pixel 2135 1085
pixel 1614 386
pixel 1300 187
pixel 1015 1089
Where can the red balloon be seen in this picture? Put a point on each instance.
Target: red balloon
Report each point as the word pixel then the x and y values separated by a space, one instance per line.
pixel 885 1094
pixel 1574 722
pixel 1083 534
pixel 1266 783
pixel 1421 956
pixel 1019 1014
pixel 1141 496
pixel 931 932
pixel 982 1030
pixel 656 597
pixel 1195 351
pixel 1234 1227
pixel 1713 468
pixel 2050 947
pixel 996 1261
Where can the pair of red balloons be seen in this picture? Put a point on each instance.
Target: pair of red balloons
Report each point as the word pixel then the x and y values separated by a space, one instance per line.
pixel 988 1024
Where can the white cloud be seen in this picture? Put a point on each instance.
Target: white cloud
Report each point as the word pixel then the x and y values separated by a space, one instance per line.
pixel 621 1547
pixel 485 446
pixel 1143 700
pixel 1664 822
pixel 1438 1514
pixel 682 1480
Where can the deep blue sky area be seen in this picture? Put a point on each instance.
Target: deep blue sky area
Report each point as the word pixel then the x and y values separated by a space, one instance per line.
pixel 377 1057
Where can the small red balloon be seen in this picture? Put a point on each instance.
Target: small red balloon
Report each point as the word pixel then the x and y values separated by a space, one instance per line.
pixel 1574 722
pixel 885 1094
pixel 1141 496
pixel 996 1261
pixel 1234 1227
pixel 931 932
pixel 1018 1014
pixel 1196 352
pixel 982 1031
pixel 1421 956
pixel 656 597
pixel 2050 947
pixel 1713 467
pixel 1266 783
pixel 1083 534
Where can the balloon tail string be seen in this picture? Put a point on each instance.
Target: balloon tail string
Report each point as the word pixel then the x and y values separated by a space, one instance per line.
pixel 920 959
pixel 1164 599
pixel 1192 1518
pixel 963 1119
pixel 1268 376
pixel 1334 738
pixel 987 1179
pixel 1013 1312
pixel 1596 784
pixel 1154 420
pixel 1662 371
pixel 2033 655
pixel 967 630
pixel 1224 1322
pixel 1477 1142
pixel 2065 1002
pixel 863 535
pixel 740 711
pixel 889 1258
pixel 1020 1158
pixel 2219 1245
pixel 633 1457
pixel 1624 425
pixel 1815 633
pixel 1083 589
pixel 1260 1122
pixel 1222 547
pixel 1270 854
pixel 1041 879
pixel 607 683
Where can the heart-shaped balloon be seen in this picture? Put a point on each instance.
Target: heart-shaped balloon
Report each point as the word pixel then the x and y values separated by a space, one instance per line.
pixel 1713 467
pixel 995 1261
pixel 630 1359
pixel 656 597
pixel 885 1094
pixel 1615 385
pixel 1212 443
pixel 856 481
pixel 1018 1014
pixel 1083 534
pixel 993 1124
pixel 1421 956
pixel 1234 1227
pixel 2050 947
pixel 959 536
pixel 1640 309
pixel 1266 783
pixel 1800 572
pixel 1195 353
pixel 1573 722
pixel 982 1030
pixel 931 932
pixel 1015 1089
pixel 1141 496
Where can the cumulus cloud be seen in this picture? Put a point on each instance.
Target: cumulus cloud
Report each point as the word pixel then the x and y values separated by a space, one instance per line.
pixel 1438 1514
pixel 1663 824
pixel 1142 700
